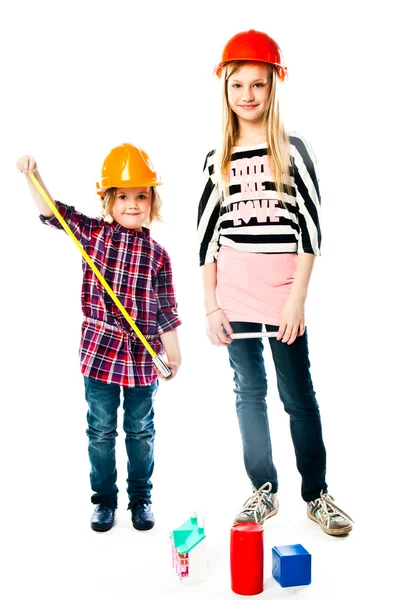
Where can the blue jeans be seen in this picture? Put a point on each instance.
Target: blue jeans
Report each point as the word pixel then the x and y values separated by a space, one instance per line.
pixel 103 401
pixel 296 391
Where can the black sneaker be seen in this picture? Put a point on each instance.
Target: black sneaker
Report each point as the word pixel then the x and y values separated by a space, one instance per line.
pixel 142 516
pixel 102 518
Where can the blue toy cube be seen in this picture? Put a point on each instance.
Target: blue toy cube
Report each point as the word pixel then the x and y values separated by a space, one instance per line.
pixel 291 565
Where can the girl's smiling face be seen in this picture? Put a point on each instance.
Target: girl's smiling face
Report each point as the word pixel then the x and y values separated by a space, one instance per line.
pixel 131 207
pixel 249 91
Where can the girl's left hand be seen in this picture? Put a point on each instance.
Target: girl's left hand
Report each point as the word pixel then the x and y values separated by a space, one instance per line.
pixel 292 321
pixel 173 367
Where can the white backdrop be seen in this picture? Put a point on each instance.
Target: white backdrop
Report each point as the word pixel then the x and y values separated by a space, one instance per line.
pixel 79 79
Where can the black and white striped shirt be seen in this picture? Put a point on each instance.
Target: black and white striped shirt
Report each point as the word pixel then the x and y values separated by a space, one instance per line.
pixel 252 217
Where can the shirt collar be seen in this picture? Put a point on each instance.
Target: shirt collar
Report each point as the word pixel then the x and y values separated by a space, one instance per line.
pixel 140 234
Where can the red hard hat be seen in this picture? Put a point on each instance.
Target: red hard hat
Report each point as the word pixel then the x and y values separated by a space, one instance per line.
pixel 253 46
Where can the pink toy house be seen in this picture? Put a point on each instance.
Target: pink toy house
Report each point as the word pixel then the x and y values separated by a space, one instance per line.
pixel 188 543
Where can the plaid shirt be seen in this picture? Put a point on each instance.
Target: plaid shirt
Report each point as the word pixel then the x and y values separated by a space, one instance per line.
pixel 138 271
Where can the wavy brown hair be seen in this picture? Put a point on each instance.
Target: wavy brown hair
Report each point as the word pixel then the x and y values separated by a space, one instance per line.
pixel 108 199
pixel 275 133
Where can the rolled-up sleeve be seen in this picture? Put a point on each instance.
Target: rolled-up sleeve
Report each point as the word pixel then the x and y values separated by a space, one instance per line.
pixel 80 225
pixel 167 313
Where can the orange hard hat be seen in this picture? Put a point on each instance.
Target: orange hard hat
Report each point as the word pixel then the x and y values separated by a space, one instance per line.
pixel 127 166
pixel 253 46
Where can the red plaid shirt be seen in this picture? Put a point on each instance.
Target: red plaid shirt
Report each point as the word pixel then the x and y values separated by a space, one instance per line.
pixel 138 271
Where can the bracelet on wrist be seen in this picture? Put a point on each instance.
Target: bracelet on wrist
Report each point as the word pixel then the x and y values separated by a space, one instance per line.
pixel 213 311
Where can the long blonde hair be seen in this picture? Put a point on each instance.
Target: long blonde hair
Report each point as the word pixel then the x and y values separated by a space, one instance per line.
pixel 108 199
pixel 276 137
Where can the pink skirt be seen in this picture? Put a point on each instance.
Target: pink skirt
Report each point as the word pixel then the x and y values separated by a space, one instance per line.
pixel 253 287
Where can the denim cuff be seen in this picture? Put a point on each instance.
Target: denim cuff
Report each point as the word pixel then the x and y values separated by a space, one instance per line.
pixel 109 501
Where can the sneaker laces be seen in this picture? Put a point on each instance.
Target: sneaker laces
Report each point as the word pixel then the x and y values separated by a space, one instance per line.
pixel 329 509
pixel 255 503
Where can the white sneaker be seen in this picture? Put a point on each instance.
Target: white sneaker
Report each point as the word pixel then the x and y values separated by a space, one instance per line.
pixel 332 519
pixel 259 507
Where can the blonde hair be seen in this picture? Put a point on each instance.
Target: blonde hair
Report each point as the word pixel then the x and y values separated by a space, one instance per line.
pixel 108 199
pixel 275 134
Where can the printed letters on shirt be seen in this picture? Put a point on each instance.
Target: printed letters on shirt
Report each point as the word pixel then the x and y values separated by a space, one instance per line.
pixel 251 173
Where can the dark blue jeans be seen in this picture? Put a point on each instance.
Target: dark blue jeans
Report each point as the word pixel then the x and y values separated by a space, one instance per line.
pixel 297 394
pixel 103 401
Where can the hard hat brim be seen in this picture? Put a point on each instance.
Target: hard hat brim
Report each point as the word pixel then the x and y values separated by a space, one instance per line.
pixel 102 186
pixel 282 71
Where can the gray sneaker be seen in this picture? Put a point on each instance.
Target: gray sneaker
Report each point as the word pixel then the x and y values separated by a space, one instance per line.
pixel 332 519
pixel 259 507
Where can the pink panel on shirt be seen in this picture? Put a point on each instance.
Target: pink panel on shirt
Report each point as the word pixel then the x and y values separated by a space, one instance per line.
pixel 253 287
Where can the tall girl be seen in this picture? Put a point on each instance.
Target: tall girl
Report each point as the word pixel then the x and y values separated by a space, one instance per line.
pixel 259 233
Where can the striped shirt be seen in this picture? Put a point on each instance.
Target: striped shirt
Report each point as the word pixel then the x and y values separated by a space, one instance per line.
pixel 138 271
pixel 251 216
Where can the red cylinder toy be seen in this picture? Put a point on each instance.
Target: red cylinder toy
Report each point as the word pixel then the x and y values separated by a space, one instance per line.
pixel 247 558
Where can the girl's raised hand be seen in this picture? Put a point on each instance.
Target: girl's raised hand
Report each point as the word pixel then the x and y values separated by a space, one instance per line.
pixel 215 322
pixel 26 164
pixel 292 321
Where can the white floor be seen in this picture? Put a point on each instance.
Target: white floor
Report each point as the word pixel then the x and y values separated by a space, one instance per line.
pixel 60 557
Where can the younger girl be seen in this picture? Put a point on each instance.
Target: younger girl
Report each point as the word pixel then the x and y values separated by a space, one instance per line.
pixel 259 233
pixel 138 270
